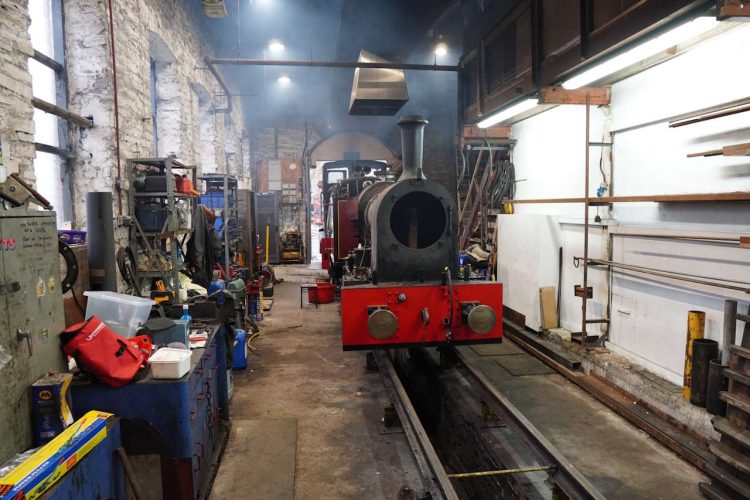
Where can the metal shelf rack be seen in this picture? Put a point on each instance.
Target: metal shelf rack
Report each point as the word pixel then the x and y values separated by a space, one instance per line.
pixel 228 185
pixel 169 242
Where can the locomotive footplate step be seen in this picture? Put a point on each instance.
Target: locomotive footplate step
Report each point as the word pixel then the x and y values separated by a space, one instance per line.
pixel 525 365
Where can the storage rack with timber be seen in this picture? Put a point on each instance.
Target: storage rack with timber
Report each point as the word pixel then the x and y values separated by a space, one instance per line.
pixel 161 200
pixel 221 196
pixel 597 96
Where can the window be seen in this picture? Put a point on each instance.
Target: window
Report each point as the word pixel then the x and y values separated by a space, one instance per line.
pixel 48 78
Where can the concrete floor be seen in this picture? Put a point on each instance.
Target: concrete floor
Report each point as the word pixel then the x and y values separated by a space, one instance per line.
pixel 620 460
pixel 301 378
pixel 306 419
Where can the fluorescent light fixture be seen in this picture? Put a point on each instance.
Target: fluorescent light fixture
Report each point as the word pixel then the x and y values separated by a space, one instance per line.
pixel 275 46
pixel 441 49
pixel 284 80
pixel 508 112
pixel 675 36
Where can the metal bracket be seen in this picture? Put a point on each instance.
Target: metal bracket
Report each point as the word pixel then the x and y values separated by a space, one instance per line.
pixel 8 288
pixel 22 334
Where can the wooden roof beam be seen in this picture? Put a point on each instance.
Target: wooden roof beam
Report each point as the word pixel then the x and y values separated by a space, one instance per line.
pixel 598 96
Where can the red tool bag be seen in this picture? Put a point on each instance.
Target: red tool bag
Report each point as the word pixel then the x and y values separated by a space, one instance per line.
pixel 102 353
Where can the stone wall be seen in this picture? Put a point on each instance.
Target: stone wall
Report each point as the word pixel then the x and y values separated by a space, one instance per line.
pixel 188 125
pixel 16 113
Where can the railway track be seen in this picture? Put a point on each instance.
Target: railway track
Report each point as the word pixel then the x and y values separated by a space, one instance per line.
pixel 515 458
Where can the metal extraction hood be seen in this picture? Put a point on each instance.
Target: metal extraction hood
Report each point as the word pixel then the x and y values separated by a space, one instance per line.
pixel 377 91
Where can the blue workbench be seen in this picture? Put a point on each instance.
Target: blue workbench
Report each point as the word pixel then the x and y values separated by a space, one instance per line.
pixel 183 421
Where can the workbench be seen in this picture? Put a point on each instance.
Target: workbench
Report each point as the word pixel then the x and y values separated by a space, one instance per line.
pixel 184 422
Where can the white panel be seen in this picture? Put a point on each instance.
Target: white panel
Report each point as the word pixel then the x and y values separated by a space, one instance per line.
pixel 274 175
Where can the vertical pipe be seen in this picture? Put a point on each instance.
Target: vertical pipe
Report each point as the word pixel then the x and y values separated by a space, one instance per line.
pixel 586 225
pixel 695 327
pixel 704 350
pixel 116 106
pixel 730 329
pixel 412 140
pixel 101 235
pixel 268 233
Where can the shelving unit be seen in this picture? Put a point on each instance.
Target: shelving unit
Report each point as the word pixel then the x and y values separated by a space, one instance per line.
pixel 228 185
pixel 167 243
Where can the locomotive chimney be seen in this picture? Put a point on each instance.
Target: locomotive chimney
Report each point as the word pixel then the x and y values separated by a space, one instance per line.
pixel 412 139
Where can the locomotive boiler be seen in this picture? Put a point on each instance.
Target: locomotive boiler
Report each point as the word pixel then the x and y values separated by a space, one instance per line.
pixel 408 251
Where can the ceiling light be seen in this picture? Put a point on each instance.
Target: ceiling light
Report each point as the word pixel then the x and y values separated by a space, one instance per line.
pixel 643 51
pixel 275 46
pixel 284 80
pixel 508 112
pixel 441 49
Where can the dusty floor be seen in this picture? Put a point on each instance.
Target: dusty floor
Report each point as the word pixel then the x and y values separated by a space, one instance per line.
pixel 306 419
pixel 620 460
pixel 300 380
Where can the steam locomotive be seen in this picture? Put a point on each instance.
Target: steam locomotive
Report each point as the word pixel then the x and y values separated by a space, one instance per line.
pixel 391 246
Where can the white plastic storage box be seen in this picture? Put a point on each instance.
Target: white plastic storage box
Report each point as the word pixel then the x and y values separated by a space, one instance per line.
pixel 124 314
pixel 170 363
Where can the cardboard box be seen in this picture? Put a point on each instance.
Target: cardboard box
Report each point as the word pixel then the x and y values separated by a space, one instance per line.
pixel 52 406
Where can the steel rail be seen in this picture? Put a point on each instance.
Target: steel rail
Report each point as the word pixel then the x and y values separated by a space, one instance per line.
pixel 436 480
pixel 565 474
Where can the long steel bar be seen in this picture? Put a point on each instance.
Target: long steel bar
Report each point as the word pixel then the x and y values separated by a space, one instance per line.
pixel 570 474
pixel 501 472
pixel 682 116
pixel 48 107
pixel 657 198
pixel 737 107
pixel 222 84
pixel 667 274
pixel 48 61
pixel 586 206
pixel 238 61
pixel 415 432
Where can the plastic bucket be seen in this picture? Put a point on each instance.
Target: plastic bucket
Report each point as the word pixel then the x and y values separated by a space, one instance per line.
pixel 312 295
pixel 325 293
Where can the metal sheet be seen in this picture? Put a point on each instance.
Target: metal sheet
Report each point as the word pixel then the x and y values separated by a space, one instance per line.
pixel 28 255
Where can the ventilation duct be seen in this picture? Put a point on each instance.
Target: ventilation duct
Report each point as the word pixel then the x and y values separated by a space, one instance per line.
pixel 380 92
pixel 214 8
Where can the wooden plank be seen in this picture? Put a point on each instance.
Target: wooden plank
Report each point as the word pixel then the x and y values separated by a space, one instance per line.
pixel 726 427
pixel 657 198
pixel 598 96
pixel 731 150
pixel 736 401
pixel 727 479
pixel 744 241
pixel 730 456
pixel 548 307
pixel 737 150
pixel 705 154
pixel 738 376
pixel 712 493
pixel 474 132
pixel 742 352
pixel 732 8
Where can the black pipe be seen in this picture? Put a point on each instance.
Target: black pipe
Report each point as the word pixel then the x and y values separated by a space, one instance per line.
pixel 329 64
pixel 717 382
pixel 101 241
pixel 412 146
pixel 704 350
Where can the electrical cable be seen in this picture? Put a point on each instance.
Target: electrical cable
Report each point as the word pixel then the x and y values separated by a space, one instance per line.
pixel 128 270
pixel 71 272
